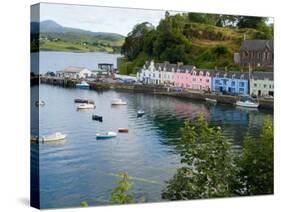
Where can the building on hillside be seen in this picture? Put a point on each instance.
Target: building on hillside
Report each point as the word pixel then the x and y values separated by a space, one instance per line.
pixel 230 82
pixel 74 72
pixel 256 53
pixel 261 84
pixel 108 67
pixel 196 79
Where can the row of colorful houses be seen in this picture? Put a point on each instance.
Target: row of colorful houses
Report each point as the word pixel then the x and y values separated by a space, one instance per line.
pixel 190 77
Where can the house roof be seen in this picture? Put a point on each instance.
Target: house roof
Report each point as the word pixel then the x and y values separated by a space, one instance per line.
pixel 256 45
pixel 230 74
pixel 169 66
pixel 262 75
pixel 73 69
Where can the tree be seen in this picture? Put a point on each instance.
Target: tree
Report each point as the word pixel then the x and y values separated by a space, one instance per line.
pixel 250 21
pixel 256 163
pixel 134 41
pixel 119 194
pixel 208 164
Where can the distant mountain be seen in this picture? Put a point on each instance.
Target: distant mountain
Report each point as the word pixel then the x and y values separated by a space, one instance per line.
pixel 53 27
pixel 55 37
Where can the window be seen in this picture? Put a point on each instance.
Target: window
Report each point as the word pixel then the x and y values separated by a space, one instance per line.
pixel 207 80
pixel 255 84
pixel 217 82
pixel 233 83
pixel 264 85
pixel 241 84
pixel 200 80
pixel 241 90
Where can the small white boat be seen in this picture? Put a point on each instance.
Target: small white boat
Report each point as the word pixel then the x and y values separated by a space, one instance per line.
pixel 247 103
pixel 54 137
pixel 39 103
pixel 106 135
pixel 85 106
pixel 83 84
pixel 118 102
pixel 214 101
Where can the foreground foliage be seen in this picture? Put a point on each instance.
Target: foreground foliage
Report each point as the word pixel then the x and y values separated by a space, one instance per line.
pixel 210 168
pixel 256 163
pixel 119 194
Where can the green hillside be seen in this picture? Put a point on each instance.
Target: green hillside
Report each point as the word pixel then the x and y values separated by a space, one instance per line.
pixel 204 42
pixel 51 36
pixel 71 41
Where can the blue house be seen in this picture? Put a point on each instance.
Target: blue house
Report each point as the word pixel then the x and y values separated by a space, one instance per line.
pixel 230 82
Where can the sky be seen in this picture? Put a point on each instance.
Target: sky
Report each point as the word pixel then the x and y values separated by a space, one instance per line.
pixel 100 19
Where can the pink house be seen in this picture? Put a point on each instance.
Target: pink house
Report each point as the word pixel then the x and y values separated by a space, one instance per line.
pixel 194 79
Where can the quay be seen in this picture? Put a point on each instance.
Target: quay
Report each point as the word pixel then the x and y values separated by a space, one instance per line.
pixel 157 90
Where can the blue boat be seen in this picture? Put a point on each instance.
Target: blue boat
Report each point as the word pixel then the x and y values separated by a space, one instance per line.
pixel 83 85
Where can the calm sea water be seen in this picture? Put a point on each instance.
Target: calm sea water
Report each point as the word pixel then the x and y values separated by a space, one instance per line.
pixel 84 169
pixel 56 61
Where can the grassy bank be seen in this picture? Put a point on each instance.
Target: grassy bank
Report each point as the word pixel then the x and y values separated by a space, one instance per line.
pixel 74 47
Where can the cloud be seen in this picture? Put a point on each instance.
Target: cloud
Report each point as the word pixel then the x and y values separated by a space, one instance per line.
pixel 102 19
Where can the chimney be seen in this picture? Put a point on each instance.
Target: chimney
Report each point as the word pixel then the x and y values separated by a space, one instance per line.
pixel 180 63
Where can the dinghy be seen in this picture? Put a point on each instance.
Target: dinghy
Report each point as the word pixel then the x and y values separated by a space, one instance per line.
pixel 54 137
pixel 85 106
pixel 247 103
pixel 213 101
pixel 88 101
pixel 118 102
pixel 140 113
pixel 106 135
pixel 83 84
pixel 123 130
pixel 40 103
pixel 97 118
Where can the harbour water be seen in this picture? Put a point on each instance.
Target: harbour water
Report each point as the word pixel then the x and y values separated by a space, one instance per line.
pixel 57 61
pixel 84 169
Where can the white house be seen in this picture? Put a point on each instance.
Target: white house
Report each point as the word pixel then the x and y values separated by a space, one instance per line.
pixel 75 72
pixel 160 73
pixel 261 84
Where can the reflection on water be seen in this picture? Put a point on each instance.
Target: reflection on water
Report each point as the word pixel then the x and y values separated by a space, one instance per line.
pixel 83 168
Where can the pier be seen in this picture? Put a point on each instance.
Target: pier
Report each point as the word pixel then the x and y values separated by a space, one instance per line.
pixel 157 90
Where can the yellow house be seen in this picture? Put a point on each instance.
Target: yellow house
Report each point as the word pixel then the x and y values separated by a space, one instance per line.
pixel 261 84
